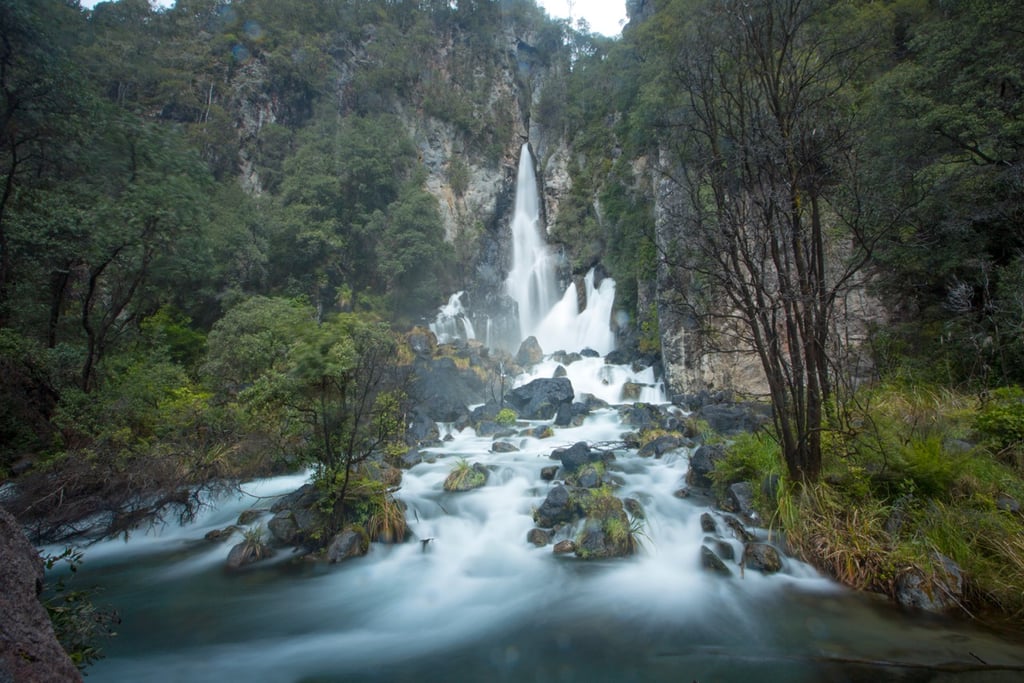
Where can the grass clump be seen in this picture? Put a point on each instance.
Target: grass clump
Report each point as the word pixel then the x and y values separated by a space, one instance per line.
pixel 465 477
pixel 506 417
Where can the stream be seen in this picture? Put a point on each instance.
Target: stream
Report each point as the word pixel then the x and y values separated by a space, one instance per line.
pixel 478 602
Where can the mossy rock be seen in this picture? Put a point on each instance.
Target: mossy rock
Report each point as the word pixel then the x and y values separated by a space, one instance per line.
pixel 466 477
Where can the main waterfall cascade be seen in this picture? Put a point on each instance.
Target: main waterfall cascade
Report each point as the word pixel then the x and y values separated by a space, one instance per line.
pixel 474 599
pixel 553 318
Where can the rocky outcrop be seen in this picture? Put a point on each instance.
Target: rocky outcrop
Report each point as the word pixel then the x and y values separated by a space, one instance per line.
pixel 29 651
pixel 541 398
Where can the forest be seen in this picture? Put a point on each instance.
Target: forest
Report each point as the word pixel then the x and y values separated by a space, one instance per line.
pixel 220 221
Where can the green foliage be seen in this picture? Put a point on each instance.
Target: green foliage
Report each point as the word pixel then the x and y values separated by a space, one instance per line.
pixel 749 457
pixel 464 476
pixel 1000 421
pixel 506 417
pixel 80 626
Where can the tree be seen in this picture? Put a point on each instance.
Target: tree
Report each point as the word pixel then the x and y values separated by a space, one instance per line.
pixel 764 151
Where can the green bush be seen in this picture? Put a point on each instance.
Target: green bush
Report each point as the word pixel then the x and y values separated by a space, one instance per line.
pixel 1000 422
pixel 506 417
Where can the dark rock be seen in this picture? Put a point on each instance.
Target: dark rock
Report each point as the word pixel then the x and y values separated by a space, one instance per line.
pixel 411 458
pixel 731 419
pixel 592 402
pixel 538 537
pixel 702 464
pixel 589 353
pixel 762 557
pixel 634 508
pixel 739 497
pixel 707 523
pixel 29 651
pixel 721 547
pixel 618 357
pixel 503 447
pixel 640 415
pixel 249 516
pixel 422 342
pixel 1007 503
pixel 586 477
pixel 738 529
pixel 560 371
pixel 285 529
pixel 564 415
pixel 487 412
pixel 548 473
pixel 710 562
pixel 529 352
pixel 942 594
pixel 488 428
pixel 559 506
pixel 681 493
pixel 564 547
pixel 421 428
pixel 566 358
pixel 659 446
pixel 220 535
pixel 539 432
pixel 304 496
pixel 541 398
pixel 347 544
pixel 631 391
pixel 576 456
pixel 247 552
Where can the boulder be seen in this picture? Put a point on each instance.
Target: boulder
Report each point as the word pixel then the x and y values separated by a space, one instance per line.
pixel 702 464
pixel 762 557
pixel 564 547
pixel 466 477
pixel 347 544
pixel 538 537
pixel 564 415
pixel 721 547
pixel 421 429
pixel 942 594
pixel 220 535
pixel 640 415
pixel 29 651
pixel 503 447
pixel 247 552
pixel 249 516
pixel 541 398
pixel 710 562
pixel 530 352
pixel 707 523
pixel 729 419
pixel 634 508
pixel 442 390
pixel 560 371
pixel 576 456
pixel 548 473
pixel 739 497
pixel 285 529
pixel 559 506
pixel 589 476
pixel 738 529
pixel 659 446
pixel 303 497
pixel 589 353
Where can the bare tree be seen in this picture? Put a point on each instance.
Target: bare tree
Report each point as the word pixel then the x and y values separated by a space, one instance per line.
pixel 771 226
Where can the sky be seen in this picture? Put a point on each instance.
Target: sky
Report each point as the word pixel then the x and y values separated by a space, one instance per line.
pixel 604 16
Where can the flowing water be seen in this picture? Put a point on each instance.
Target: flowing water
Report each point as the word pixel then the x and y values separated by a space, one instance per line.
pixel 478 602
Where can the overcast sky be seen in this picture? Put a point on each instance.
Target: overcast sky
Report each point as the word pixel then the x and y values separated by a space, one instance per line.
pixel 604 16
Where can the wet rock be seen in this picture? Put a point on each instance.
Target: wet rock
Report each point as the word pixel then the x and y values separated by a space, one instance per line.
pixel 640 415
pixel 634 508
pixel 660 446
pixel 548 473
pixel 942 594
pixel 762 557
pixel 710 562
pixel 564 415
pixel 707 523
pixel 564 547
pixel 249 516
pixel 681 493
pixel 347 544
pixel 466 478
pixel 304 496
pixel 541 398
pixel 721 547
pixel 220 535
pixel 702 464
pixel 589 353
pixel 538 432
pixel 631 391
pixel 589 476
pixel 738 529
pixel 729 419
pixel 421 429
pixel 560 371
pixel 503 447
pixel 558 506
pixel 29 651
pixel 566 358
pixel 248 552
pixel 576 456
pixel 538 537
pixel 739 497
pixel 530 352
pixel 285 529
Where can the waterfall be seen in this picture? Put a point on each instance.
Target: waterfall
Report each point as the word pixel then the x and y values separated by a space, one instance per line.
pixel 452 322
pixel 556 322
pixel 532 282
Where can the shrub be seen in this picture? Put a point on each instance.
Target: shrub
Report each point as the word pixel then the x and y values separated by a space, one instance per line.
pixel 506 417
pixel 1000 422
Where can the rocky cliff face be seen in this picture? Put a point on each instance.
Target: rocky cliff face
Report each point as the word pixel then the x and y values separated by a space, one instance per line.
pixel 29 651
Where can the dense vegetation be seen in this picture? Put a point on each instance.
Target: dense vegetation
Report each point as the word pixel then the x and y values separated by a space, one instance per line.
pixel 212 218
